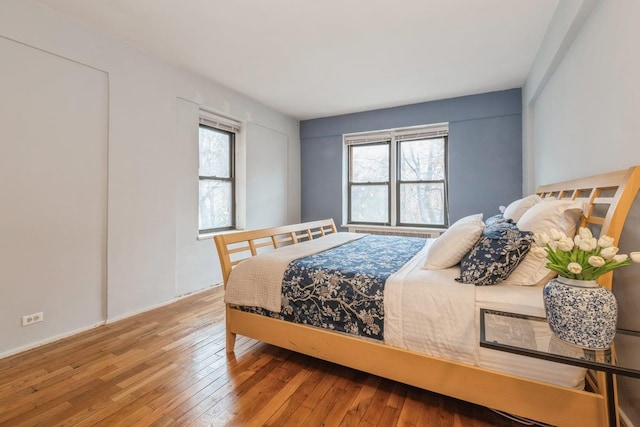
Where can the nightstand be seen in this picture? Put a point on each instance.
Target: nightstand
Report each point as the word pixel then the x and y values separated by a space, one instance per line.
pixel 503 331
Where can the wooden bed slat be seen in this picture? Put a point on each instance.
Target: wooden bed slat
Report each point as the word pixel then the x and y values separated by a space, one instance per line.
pixel 595 220
pixel 239 249
pixel 583 199
pixel 602 201
pixel 263 245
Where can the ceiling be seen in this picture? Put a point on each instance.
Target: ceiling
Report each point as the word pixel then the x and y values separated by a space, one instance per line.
pixel 320 58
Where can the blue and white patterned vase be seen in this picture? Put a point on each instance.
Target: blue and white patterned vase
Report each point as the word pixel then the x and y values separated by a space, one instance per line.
pixel 581 312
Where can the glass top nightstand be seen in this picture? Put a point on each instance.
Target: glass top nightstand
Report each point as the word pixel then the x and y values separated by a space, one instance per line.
pixel 531 336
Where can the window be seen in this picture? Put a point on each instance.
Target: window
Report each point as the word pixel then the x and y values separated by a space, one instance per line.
pixel 398 177
pixel 421 189
pixel 216 174
pixel 369 183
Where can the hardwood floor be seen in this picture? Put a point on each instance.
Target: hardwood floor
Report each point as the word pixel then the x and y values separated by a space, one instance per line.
pixel 168 367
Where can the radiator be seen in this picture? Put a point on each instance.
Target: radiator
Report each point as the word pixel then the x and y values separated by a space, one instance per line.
pixel 397 231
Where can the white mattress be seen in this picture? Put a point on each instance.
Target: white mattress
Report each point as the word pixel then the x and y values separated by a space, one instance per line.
pixel 427 311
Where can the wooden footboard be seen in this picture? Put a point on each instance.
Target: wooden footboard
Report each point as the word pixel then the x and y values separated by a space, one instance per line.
pixel 540 401
pixel 609 197
pixel 234 247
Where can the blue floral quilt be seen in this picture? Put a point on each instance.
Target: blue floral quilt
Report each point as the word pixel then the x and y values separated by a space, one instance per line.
pixel 342 288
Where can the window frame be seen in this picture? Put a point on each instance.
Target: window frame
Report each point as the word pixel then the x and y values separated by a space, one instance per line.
pixel 442 181
pixel 395 137
pixel 231 178
pixel 351 183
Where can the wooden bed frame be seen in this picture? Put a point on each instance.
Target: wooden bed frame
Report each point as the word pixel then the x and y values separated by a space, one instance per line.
pixel 610 197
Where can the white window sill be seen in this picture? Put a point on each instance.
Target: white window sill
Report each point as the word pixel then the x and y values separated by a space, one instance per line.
pixel 207 236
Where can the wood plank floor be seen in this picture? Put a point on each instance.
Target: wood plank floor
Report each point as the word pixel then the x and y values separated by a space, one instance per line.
pixel 168 367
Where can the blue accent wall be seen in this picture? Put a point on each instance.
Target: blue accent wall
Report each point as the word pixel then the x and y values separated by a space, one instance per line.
pixel 485 151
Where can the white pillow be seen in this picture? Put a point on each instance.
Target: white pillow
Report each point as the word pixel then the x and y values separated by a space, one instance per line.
pixel 563 215
pixel 448 249
pixel 517 208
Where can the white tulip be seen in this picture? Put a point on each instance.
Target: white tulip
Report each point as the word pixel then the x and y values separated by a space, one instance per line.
pixel 635 256
pixel 596 261
pixel 585 233
pixel 565 244
pixel 605 241
pixel 609 253
pixel 588 245
pixel 540 252
pixel 620 257
pixel 557 235
pixel 542 239
pixel 574 268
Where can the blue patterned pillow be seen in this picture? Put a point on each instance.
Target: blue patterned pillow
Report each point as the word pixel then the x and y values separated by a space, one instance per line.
pixel 497 253
pixel 496 219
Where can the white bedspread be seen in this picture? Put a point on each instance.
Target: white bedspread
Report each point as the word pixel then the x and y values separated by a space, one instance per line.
pixel 428 312
pixel 257 281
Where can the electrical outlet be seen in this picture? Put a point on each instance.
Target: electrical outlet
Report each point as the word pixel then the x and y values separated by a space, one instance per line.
pixel 30 319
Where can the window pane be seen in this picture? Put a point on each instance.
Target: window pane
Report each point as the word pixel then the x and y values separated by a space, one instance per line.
pixel 215 204
pixel 215 152
pixel 422 204
pixel 370 163
pixel 370 203
pixel 422 160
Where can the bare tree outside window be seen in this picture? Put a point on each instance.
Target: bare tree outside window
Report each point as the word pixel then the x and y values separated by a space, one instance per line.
pixel 216 181
pixel 410 184
pixel 369 183
pixel 421 182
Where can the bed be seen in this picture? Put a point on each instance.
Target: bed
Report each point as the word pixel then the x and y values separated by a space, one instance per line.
pixel 483 380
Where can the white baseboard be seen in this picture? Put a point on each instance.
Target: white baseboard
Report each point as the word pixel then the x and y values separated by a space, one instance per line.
pixel 95 325
pixel 49 340
pixel 162 304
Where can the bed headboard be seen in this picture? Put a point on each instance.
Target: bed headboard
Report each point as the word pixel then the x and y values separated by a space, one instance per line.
pixel 609 197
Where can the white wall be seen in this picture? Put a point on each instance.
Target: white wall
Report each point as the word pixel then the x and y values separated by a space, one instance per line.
pixel 581 108
pixel 588 108
pixel 267 157
pixel 53 187
pixel 566 23
pixel 152 253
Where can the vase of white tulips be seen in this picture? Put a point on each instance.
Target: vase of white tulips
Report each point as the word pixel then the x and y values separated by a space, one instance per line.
pixel 579 310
